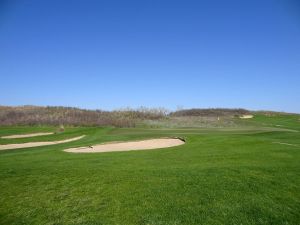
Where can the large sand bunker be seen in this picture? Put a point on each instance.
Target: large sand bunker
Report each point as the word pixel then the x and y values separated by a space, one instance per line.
pixel 129 146
pixel 35 144
pixel 25 135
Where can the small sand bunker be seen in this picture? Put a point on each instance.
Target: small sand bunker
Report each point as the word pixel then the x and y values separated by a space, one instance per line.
pixel 246 116
pixel 129 146
pixel 25 135
pixel 283 143
pixel 35 144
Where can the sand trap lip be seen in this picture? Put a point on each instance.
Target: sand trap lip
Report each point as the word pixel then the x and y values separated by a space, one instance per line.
pixel 26 135
pixel 36 144
pixel 129 146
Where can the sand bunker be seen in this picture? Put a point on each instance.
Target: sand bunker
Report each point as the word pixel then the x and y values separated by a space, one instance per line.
pixel 129 146
pixel 25 135
pixel 246 116
pixel 283 143
pixel 35 144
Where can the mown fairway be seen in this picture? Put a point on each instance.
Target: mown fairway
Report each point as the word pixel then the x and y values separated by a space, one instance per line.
pixel 244 175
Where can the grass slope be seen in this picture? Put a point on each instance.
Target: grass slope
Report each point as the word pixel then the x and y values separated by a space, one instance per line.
pixel 220 176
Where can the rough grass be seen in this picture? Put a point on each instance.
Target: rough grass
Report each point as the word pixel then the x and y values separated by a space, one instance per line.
pixel 220 176
pixel 52 115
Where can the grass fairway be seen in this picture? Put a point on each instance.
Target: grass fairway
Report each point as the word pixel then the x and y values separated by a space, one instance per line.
pixel 244 175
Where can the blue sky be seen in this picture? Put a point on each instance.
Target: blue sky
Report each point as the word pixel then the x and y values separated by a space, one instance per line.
pixel 113 54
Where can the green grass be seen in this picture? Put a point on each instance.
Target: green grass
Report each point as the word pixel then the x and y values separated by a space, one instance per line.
pixel 220 176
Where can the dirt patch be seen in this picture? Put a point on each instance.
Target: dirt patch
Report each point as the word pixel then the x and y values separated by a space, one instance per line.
pixel 25 135
pixel 129 146
pixel 35 144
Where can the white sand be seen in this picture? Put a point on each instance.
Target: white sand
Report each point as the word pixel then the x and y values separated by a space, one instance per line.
pixel 246 116
pixel 35 144
pixel 25 135
pixel 129 146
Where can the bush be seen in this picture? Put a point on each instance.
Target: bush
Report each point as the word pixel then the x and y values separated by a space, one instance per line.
pixel 210 112
pixel 52 115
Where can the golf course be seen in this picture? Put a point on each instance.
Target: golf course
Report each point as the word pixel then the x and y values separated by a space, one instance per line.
pixel 160 112
pixel 243 174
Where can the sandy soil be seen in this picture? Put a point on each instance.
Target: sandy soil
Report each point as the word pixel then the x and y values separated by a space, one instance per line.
pixel 35 144
pixel 129 146
pixel 25 135
pixel 246 116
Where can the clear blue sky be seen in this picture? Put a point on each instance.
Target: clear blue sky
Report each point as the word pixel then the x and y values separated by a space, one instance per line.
pixel 113 54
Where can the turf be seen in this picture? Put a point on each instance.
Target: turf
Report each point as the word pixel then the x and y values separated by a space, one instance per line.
pixel 228 176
